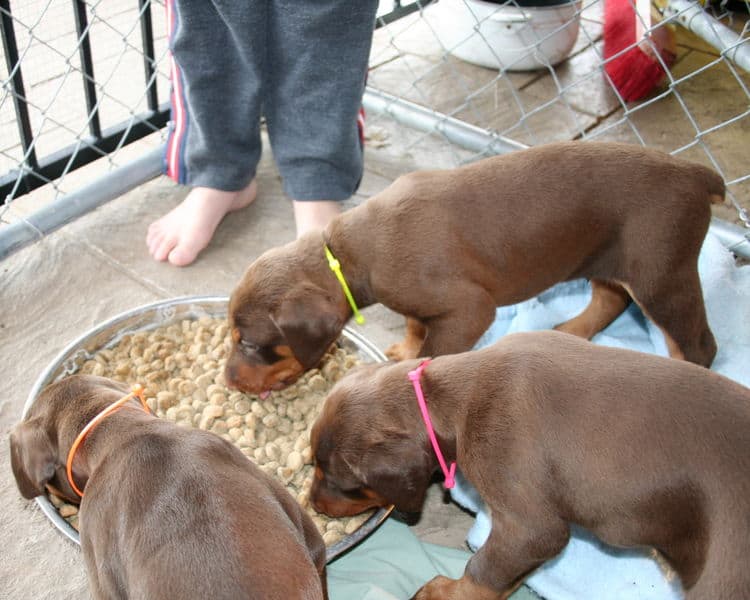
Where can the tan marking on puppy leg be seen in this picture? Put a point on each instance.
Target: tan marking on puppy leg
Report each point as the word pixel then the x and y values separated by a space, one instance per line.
pixel 411 344
pixel 608 300
pixel 443 588
pixel 672 346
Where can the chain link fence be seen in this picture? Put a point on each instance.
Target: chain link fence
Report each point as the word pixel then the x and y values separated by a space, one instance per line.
pixel 84 79
pixel 81 80
pixel 548 82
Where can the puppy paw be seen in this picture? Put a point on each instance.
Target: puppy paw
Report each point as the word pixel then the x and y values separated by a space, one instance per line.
pixel 401 351
pixel 439 588
pixel 443 588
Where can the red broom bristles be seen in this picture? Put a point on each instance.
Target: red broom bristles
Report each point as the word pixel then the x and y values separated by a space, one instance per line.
pixel 637 71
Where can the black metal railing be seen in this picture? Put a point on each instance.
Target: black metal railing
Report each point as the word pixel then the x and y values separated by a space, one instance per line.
pixel 34 171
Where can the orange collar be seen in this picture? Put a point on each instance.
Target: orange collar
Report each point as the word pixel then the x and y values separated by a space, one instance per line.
pixel 137 391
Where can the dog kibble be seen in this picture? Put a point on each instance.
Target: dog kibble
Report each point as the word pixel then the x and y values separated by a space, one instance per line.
pixel 122 369
pixel 165 400
pixel 234 422
pixel 217 399
pixel 318 384
pixel 213 411
pixel 294 461
pixel 272 451
pixel 271 420
pixel 284 427
pixel 68 510
pixel 182 369
pixel 331 537
pixel 220 428
pixel 285 474
pixel 350 527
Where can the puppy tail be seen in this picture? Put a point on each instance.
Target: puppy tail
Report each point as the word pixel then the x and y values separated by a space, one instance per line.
pixel 714 185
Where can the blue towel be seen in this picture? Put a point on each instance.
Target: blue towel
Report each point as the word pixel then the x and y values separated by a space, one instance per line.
pixel 392 564
pixel 587 568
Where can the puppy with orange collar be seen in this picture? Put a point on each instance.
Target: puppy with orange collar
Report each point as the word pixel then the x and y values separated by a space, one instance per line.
pixel 166 512
pixel 445 248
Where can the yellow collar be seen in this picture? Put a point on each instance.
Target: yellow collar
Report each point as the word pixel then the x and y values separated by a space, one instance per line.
pixel 335 266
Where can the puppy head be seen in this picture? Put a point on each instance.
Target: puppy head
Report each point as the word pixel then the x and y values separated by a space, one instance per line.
pixel 281 324
pixel 368 451
pixel 40 443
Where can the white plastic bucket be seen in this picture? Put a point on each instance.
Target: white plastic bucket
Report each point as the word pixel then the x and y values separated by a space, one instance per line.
pixel 509 37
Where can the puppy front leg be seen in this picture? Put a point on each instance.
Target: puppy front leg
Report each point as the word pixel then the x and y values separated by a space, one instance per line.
pixel 459 329
pixel 443 588
pixel 517 545
pixel 411 344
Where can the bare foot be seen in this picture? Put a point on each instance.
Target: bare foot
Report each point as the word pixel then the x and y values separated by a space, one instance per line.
pixel 314 215
pixel 184 231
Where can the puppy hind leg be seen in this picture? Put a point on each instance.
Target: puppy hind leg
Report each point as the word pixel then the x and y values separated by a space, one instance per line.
pixel 608 300
pixel 410 346
pixel 677 309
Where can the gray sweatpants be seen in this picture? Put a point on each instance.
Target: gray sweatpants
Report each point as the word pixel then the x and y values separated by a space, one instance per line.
pixel 300 63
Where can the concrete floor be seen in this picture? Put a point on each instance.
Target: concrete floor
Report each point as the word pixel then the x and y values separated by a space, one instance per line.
pixel 98 266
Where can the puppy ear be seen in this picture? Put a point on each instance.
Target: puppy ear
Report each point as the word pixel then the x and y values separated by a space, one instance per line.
pixel 310 323
pixel 399 470
pixel 32 458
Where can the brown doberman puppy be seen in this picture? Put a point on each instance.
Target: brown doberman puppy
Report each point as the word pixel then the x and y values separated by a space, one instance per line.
pixel 167 512
pixel 445 248
pixel 552 430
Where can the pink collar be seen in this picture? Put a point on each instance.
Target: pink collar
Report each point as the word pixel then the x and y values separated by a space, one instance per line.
pixel 414 376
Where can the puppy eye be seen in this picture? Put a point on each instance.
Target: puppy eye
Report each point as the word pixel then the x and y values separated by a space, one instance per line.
pixel 249 346
pixel 348 490
pixel 353 493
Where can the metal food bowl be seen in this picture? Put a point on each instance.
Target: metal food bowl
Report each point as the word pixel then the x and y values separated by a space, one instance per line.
pixel 159 314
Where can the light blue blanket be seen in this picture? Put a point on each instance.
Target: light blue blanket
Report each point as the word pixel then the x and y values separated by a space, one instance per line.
pixel 587 569
pixel 392 564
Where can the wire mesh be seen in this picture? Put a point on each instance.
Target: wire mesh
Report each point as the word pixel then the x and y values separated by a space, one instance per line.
pixel 85 86
pixel 536 74
pixel 526 74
